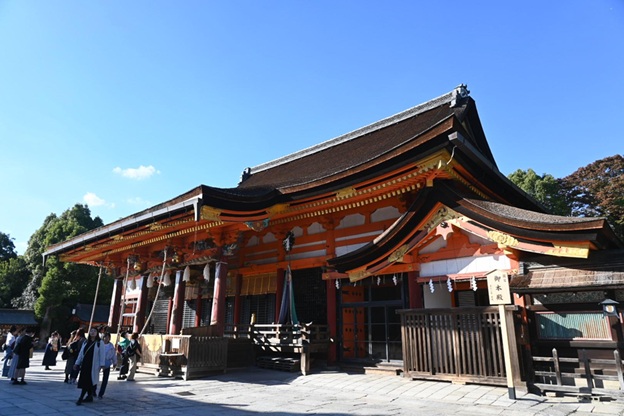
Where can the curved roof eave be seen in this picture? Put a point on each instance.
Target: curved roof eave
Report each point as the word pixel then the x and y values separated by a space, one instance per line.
pixel 406 228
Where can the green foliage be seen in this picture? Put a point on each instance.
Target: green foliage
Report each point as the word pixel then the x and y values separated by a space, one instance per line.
pixel 55 288
pixel 545 189
pixel 598 190
pixel 7 248
pixel 14 276
pixel 595 190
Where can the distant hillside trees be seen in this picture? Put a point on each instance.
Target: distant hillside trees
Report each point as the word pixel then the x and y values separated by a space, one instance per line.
pixel 595 190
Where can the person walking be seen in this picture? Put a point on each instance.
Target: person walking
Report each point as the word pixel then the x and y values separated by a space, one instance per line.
pixel 110 359
pixel 23 349
pixel 133 351
pixel 74 350
pixel 122 345
pixel 51 350
pixel 89 361
pixel 9 344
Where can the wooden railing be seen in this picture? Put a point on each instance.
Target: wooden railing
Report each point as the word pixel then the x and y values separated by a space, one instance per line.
pixel 302 339
pixel 185 356
pixel 582 375
pixel 458 344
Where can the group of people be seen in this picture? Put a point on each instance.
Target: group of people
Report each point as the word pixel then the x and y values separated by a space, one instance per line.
pixel 85 357
pixel 18 349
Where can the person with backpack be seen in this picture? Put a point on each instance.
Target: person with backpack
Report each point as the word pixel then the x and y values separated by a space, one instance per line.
pixel 123 343
pixel 133 351
pixel 90 360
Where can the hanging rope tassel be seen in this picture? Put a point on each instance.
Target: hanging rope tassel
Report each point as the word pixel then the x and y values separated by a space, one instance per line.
pixel 162 273
pixel 97 289
pixel 123 302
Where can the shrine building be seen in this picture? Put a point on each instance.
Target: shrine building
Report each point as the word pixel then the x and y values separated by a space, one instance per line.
pixel 409 213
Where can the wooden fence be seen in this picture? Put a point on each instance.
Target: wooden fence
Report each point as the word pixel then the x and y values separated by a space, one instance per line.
pixel 458 344
pixel 582 375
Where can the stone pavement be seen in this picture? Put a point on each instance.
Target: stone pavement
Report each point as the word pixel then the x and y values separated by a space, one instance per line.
pixel 257 391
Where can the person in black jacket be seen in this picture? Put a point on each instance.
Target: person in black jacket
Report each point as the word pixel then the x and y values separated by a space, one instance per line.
pixel 22 349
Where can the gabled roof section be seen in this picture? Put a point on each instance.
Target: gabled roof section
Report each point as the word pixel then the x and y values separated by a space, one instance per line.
pixel 523 230
pixel 360 147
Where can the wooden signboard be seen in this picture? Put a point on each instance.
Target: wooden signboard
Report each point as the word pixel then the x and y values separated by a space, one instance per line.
pixel 498 288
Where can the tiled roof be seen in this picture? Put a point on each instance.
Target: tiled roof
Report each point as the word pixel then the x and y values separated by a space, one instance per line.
pixel 603 268
pixel 345 152
pixel 17 317
pixel 513 213
pixel 83 312
pixel 565 279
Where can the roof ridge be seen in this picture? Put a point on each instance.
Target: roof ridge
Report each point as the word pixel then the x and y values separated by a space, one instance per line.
pixel 450 97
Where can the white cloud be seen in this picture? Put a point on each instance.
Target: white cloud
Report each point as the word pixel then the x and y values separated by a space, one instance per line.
pixel 137 200
pixel 140 173
pixel 93 200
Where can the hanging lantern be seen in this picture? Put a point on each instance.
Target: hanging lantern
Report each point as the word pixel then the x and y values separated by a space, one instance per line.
pixel 167 278
pixel 131 284
pixel 431 287
pixel 150 281
pixel 186 277
pixel 207 272
pixel 449 284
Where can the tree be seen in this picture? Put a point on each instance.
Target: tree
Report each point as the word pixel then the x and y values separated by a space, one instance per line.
pixel 598 190
pixel 55 288
pixel 14 276
pixel 7 248
pixel 545 189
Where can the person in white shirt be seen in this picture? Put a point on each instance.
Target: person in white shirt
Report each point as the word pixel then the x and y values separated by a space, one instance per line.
pixel 110 359
pixel 8 346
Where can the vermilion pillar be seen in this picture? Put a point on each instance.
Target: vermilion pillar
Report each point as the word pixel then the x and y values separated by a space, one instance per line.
pixel 217 317
pixel 115 308
pixel 139 319
pixel 175 326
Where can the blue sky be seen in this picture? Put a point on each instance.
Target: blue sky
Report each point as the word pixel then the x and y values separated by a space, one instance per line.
pixel 123 105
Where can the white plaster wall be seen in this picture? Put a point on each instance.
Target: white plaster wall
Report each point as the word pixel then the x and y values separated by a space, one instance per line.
pixel 483 264
pixel 385 213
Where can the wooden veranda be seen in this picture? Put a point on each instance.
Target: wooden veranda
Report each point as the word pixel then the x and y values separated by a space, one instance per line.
pixel 196 353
